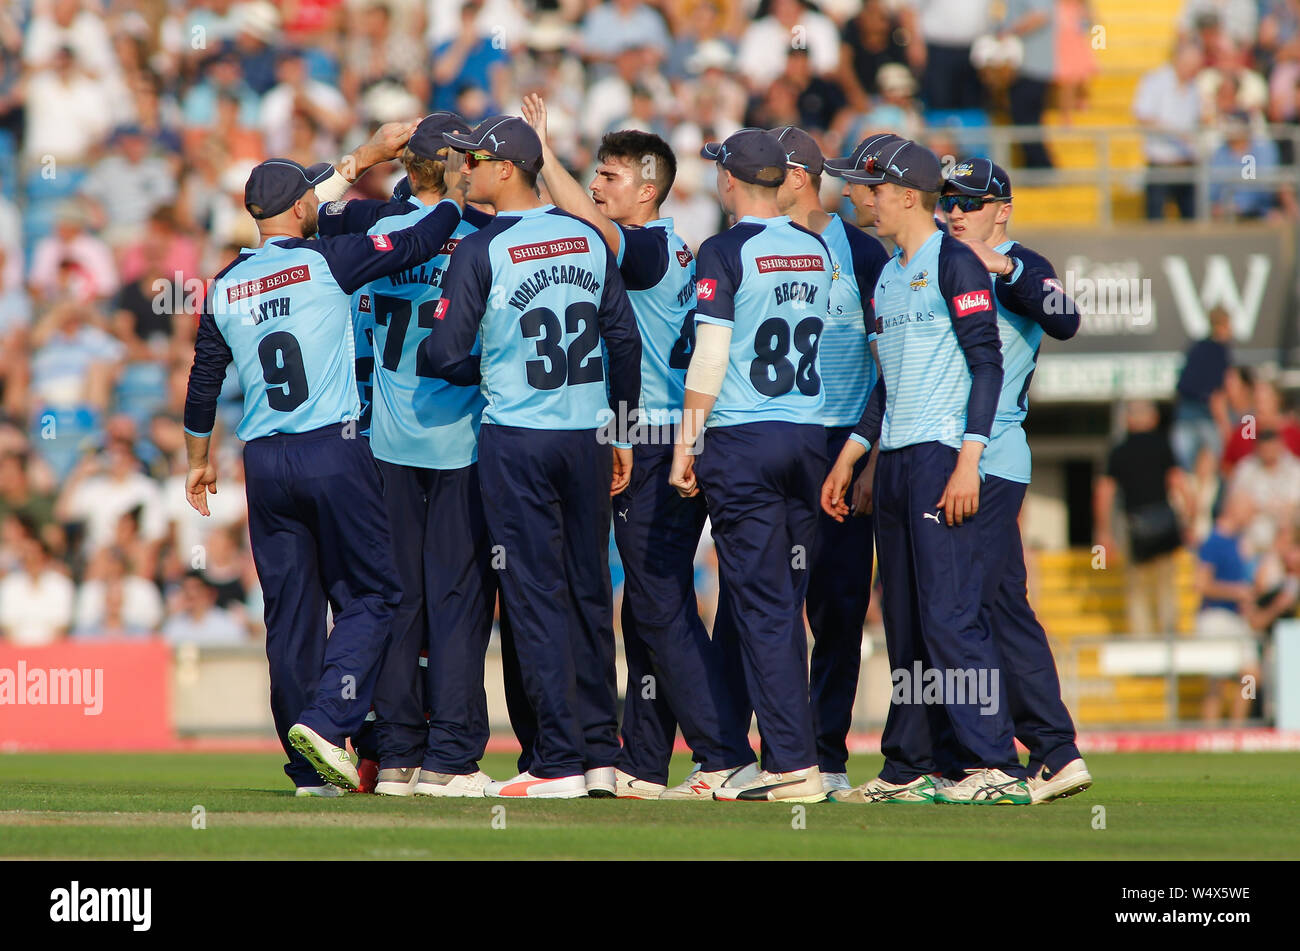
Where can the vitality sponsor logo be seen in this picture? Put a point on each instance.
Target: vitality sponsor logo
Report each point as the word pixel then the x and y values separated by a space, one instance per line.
pixel 272 282
pixel 548 249
pixel 705 288
pixel 440 312
pixel 382 242
pixel 972 302
pixel 790 262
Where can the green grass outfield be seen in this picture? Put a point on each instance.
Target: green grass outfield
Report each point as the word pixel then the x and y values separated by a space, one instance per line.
pixel 140 806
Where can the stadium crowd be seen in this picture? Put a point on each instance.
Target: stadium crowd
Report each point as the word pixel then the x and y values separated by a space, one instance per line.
pixel 128 129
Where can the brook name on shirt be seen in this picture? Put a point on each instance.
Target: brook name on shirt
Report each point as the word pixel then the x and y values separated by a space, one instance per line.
pixel 798 291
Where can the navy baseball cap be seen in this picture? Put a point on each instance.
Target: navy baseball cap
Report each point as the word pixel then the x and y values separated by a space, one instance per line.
pixel 908 164
pixel 277 183
pixel 801 149
pixel 427 141
pixel 979 177
pixel 508 138
pixel 853 167
pixel 747 153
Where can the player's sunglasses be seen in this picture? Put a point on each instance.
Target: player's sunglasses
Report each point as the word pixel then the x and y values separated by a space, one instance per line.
pixel 473 159
pixel 967 203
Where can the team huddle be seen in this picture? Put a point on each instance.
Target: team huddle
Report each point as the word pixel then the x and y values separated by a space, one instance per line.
pixel 451 395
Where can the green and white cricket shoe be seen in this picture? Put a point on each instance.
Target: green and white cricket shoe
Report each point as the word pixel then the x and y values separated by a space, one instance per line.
pixel 985 787
pixel 919 790
pixel 324 792
pixel 1070 779
pixel 397 781
pixel 452 785
pixel 332 762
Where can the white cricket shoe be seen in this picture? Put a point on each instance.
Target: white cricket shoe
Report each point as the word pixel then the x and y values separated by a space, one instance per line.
pixel 601 782
pixel 1071 778
pixel 919 790
pixel 985 787
pixel 324 792
pixel 528 786
pixel 452 785
pixel 332 762
pixel 701 785
pixel 397 781
pixel 834 781
pixel 797 785
pixel 628 786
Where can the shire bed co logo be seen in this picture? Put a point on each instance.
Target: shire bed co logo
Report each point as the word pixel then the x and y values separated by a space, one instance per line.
pixel 53 686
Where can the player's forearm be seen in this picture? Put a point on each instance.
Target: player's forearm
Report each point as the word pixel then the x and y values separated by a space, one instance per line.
pixel 207 375
pixel 867 431
pixel 196 449
pixel 570 196
pixel 696 408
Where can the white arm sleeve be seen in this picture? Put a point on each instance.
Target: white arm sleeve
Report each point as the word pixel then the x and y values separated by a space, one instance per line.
pixel 709 361
pixel 333 188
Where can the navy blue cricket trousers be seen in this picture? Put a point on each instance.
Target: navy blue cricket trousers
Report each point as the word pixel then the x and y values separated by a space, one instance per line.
pixel 839 592
pixel 1033 687
pixel 932 583
pixel 763 483
pixel 673 672
pixel 319 534
pixel 437 717
pixel 546 498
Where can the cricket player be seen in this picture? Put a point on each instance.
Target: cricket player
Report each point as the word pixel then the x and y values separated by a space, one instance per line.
pixel 839 582
pixel 762 296
pixel 932 413
pixel 977 204
pixel 543 293
pixel 673 673
pixel 282 313
pixel 424 436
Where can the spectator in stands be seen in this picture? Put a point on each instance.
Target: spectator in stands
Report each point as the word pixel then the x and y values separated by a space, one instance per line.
pixel 940 35
pixel 297 93
pixel 869 41
pixel 818 100
pixel 1034 23
pixel 68 111
pixel 125 187
pixel 1142 469
pixel 1245 157
pixel 1239 19
pixel 375 54
pixel 611 26
pixel 221 77
pixel 106 486
pixel 1201 412
pixel 475 60
pixel 72 259
pixel 197 619
pixel 1225 582
pixel 15 331
pixel 768 40
pixel 1168 105
pixel 1076 63
pixel 20 496
pixel 139 608
pixel 36 599
pixel 1270 479
pixel 74 361
pixel 1266 413
pixel 255 35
